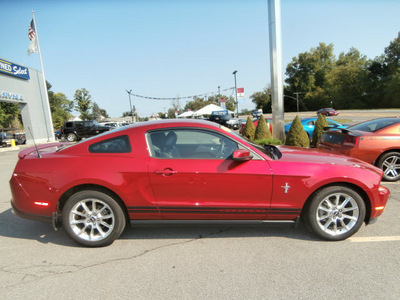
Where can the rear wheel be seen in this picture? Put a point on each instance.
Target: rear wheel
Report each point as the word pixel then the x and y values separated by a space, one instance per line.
pixel 390 165
pixel 93 219
pixel 71 137
pixel 335 213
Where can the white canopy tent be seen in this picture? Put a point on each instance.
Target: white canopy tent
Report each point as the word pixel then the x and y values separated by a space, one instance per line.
pixel 207 110
pixel 186 114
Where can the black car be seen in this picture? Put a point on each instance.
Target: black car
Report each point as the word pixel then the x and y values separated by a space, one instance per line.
pixel 220 119
pixel 76 130
pixel 5 138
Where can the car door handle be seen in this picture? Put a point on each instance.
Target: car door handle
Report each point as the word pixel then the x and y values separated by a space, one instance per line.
pixel 165 172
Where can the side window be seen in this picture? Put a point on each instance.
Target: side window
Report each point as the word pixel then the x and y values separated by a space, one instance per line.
pixel 120 144
pixel 190 144
pixel 330 123
pixel 87 124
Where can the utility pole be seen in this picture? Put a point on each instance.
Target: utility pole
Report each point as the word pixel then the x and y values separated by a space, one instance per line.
pixel 130 103
pixel 237 102
pixel 297 99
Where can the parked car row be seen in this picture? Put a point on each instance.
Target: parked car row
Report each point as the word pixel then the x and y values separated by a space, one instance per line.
pixel 375 141
pixel 6 137
pixel 309 125
pixel 74 131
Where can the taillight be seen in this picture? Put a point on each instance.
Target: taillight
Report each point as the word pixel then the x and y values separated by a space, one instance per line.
pixel 351 140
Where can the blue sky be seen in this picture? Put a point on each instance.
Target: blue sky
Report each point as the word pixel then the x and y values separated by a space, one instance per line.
pixel 181 48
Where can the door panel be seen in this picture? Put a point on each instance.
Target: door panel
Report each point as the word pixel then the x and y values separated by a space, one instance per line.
pixel 210 188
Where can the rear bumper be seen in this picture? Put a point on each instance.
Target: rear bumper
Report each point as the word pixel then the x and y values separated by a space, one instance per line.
pixel 26 215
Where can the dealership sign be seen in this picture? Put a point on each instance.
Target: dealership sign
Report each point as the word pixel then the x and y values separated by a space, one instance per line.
pixel 13 69
pixel 11 96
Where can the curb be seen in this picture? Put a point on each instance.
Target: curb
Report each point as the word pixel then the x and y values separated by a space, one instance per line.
pixel 7 149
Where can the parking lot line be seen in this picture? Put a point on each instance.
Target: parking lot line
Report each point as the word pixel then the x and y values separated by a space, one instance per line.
pixel 374 239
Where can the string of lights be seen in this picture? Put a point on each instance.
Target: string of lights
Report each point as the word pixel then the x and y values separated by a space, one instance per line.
pixel 186 97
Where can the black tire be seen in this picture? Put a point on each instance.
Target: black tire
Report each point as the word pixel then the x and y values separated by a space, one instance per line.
pixel 71 137
pixel 335 213
pixel 93 219
pixel 389 163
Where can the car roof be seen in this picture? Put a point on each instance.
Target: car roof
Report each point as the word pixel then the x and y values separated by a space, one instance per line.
pixel 174 122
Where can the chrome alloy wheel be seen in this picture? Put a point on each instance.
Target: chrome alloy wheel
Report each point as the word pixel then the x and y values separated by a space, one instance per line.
pixel 91 219
pixel 337 214
pixel 391 166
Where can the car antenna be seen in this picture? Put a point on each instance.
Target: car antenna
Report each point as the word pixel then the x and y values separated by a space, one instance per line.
pixel 37 150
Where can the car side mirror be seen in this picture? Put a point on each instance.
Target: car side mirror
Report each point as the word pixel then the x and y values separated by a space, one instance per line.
pixel 241 155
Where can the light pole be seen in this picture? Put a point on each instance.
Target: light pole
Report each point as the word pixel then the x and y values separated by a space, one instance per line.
pixel 237 103
pixel 219 95
pixel 130 103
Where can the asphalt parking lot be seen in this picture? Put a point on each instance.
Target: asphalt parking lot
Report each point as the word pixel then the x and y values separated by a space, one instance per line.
pixel 198 262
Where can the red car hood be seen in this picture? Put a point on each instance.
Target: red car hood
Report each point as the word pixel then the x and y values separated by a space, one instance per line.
pixel 315 156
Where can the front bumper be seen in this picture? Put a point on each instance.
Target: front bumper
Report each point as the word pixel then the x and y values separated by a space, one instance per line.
pixel 378 206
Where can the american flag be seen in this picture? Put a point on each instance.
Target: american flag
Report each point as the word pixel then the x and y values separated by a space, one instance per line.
pixel 33 46
pixel 32 32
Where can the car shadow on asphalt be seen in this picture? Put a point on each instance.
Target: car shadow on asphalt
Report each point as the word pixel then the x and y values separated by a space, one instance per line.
pixel 12 226
pixel 15 227
pixel 196 231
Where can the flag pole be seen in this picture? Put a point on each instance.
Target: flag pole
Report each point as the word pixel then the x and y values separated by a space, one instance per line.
pixel 50 137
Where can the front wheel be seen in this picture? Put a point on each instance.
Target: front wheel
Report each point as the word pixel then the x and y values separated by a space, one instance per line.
pixel 335 213
pixel 390 165
pixel 93 219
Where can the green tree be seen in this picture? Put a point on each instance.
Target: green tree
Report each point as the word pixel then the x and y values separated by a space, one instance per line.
pixel 96 112
pixel 60 108
pixel 127 114
pixel 171 113
pixel 9 112
pixel 309 69
pixel 346 82
pixel 83 103
pixel 197 104
pixel 262 130
pixel 307 73
pixel 262 100
pixel 318 130
pixel 230 103
pixel 392 55
pixel 249 130
pixel 297 136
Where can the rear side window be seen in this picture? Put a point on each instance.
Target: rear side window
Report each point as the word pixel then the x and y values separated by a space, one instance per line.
pixel 119 144
pixel 374 125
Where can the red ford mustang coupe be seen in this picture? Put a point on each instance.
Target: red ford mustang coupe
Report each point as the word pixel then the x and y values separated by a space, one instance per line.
pixel 191 170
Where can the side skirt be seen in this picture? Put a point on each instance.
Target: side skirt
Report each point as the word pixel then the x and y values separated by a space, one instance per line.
pixel 293 223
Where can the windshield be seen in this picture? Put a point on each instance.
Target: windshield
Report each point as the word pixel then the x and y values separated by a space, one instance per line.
pixel 374 125
pixel 270 150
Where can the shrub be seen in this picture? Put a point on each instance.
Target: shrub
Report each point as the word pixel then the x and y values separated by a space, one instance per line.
pixel 318 130
pixel 297 136
pixel 262 130
pixel 249 130
pixel 268 141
